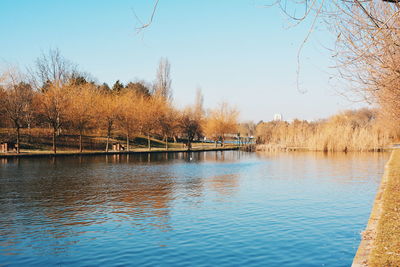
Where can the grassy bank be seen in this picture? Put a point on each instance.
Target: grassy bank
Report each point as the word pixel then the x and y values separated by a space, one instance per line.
pixel 386 248
pixel 38 142
pixel 132 151
pixel 38 139
pixel 380 245
pixel 33 145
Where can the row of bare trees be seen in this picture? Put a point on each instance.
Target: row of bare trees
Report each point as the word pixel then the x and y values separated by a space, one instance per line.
pixel 54 95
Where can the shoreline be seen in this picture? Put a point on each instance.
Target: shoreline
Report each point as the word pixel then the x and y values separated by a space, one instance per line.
pixel 274 148
pixel 96 153
pixel 375 246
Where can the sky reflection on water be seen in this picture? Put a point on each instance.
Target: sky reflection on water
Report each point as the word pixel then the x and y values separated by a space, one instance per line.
pixel 214 208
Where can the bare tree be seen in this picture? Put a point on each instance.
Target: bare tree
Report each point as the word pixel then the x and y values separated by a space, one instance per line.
pixel 52 68
pixel 52 75
pixel 128 114
pixel 150 109
pixel 53 104
pixel 147 24
pixel 16 101
pixel 221 121
pixel 162 85
pixel 107 106
pixel 190 125
pixel 199 104
pixel 366 48
pixel 167 121
pixel 81 109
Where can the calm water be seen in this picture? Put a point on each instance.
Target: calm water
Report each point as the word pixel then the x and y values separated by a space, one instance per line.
pixel 214 209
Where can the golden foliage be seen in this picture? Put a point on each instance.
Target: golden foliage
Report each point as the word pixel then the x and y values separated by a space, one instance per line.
pixel 221 121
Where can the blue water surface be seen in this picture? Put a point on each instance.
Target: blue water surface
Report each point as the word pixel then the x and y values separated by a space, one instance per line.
pixel 200 209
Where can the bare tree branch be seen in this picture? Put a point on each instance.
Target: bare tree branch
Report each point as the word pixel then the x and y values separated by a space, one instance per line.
pixel 150 21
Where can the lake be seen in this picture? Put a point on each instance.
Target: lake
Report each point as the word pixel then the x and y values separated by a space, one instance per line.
pixel 203 209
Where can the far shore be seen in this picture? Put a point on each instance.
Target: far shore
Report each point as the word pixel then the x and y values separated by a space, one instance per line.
pixel 276 147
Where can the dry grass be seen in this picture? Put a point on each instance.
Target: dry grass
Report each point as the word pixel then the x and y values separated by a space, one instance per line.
pixel 358 130
pixel 386 246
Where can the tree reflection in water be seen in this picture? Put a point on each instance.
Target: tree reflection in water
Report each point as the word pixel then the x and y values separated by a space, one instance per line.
pixel 133 204
pixel 65 195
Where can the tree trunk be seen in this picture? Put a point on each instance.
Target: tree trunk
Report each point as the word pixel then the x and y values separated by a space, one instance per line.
pixel 108 135
pixel 54 140
pixel 148 141
pixel 80 141
pixel 216 143
pixel 108 138
pixel 189 145
pixel 17 140
pixel 166 143
pixel 127 142
pixel 29 134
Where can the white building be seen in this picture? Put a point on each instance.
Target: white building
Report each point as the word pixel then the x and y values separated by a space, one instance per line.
pixel 278 117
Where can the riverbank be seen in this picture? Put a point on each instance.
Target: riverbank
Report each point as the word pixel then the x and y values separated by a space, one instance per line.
pixel 92 153
pixel 276 147
pixel 380 244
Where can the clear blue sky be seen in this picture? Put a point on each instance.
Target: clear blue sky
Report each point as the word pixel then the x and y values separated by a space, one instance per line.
pixel 234 50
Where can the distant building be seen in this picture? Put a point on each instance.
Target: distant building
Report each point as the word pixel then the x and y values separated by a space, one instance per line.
pixel 278 117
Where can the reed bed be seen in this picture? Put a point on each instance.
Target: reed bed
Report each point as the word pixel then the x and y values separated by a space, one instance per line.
pixel 356 130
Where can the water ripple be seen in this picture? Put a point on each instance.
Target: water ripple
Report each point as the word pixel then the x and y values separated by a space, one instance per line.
pixel 220 209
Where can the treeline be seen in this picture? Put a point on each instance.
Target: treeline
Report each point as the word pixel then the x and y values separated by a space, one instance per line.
pixel 54 95
pixel 353 130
